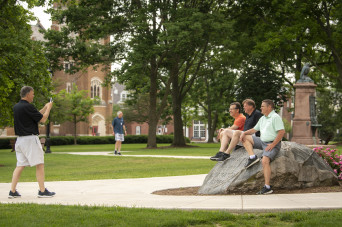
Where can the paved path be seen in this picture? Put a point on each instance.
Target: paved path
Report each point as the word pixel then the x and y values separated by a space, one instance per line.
pixel 137 193
pixel 108 153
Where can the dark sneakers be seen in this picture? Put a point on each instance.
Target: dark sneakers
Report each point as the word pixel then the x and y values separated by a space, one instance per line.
pixel 251 162
pixel 223 157
pixel 45 194
pixel 265 191
pixel 215 157
pixel 13 195
pixel 117 153
pixel 220 157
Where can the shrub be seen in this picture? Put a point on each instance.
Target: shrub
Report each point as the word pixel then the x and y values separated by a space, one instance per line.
pixel 5 142
pixel 334 160
pixel 68 140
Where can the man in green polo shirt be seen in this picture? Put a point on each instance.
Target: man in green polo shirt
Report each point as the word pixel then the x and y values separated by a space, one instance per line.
pixel 272 130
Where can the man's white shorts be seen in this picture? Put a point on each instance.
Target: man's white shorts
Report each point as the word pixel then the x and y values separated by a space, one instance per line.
pixel 119 137
pixel 29 151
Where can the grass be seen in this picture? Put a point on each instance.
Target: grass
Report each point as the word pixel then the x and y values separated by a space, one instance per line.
pixel 66 167
pixel 58 215
pixel 200 149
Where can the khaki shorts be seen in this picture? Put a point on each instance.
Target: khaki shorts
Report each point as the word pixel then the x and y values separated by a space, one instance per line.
pixel 119 137
pixel 29 151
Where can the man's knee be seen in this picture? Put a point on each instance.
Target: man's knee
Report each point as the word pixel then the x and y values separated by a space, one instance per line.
pixel 266 160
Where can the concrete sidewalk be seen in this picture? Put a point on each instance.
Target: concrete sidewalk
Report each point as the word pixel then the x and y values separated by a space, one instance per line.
pixel 137 193
pixel 126 154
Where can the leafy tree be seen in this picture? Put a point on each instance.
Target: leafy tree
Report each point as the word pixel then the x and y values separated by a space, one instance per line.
pixel 214 90
pixel 259 81
pixel 290 33
pixel 329 108
pixel 157 43
pixel 22 60
pixel 75 107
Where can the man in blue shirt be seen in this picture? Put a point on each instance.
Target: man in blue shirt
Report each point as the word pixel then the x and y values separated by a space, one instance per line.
pixel 119 131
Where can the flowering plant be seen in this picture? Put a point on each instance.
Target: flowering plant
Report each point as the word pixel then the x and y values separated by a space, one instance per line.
pixel 333 159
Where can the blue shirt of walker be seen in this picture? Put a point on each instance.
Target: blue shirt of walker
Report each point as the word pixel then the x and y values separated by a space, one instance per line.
pixel 118 124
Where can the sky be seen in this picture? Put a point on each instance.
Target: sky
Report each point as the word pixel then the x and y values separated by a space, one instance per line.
pixel 43 17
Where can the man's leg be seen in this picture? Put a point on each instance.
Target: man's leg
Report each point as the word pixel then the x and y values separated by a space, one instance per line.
pixel 118 143
pixel 248 144
pixel 226 135
pixel 16 176
pixel 234 141
pixel 267 169
pixel 40 174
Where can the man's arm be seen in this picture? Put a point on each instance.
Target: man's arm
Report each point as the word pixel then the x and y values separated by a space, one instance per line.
pixel 248 132
pixel 280 135
pixel 46 113
pixel 42 111
pixel 124 128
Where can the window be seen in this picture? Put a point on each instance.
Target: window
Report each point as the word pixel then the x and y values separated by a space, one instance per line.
pixel 95 88
pixel 199 129
pixel 68 65
pixel 137 130
pixel 68 87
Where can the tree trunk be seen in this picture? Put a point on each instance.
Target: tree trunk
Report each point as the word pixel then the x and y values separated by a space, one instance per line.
pixel 178 136
pixel 212 128
pixel 75 129
pixel 152 117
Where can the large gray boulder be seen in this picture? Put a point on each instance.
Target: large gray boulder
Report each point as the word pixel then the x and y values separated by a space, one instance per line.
pixel 295 166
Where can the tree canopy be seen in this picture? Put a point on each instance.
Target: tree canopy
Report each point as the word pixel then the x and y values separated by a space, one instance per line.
pixel 22 60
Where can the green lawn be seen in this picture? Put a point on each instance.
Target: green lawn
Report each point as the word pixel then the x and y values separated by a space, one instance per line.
pixel 57 215
pixel 200 149
pixel 66 167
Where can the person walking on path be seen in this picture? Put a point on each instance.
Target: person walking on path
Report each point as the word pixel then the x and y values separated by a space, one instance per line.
pixel 28 148
pixel 119 131
pixel 272 130
pixel 252 117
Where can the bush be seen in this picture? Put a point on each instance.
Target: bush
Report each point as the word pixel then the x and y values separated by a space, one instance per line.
pixel 68 140
pixel 334 160
pixel 5 142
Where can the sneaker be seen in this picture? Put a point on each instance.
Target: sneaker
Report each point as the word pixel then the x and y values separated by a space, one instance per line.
pixel 115 152
pixel 13 195
pixel 45 194
pixel 251 162
pixel 119 153
pixel 265 191
pixel 215 157
pixel 223 157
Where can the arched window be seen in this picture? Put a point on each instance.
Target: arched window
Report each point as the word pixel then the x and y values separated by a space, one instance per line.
pixel 95 89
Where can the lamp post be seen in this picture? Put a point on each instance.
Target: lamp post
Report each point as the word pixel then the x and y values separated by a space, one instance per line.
pixel 47 142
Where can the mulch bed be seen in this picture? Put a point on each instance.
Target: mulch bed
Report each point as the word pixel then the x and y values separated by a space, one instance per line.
pixel 192 191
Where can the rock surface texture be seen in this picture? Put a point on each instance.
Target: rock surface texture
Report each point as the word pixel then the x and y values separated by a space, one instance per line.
pixel 295 166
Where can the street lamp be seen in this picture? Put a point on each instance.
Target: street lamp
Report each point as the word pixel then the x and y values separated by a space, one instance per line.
pixel 47 142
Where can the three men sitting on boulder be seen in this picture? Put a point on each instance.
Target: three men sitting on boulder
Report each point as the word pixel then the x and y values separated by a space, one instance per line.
pixel 241 123
pixel 272 131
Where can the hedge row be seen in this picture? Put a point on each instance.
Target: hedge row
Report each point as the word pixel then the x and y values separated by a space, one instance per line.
pixel 67 140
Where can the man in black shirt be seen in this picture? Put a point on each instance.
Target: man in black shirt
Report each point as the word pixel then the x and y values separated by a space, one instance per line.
pixel 28 148
pixel 252 117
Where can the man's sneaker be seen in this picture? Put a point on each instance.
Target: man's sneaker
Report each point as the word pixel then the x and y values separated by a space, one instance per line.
pixel 223 157
pixel 115 152
pixel 13 195
pixel 45 194
pixel 265 191
pixel 119 153
pixel 251 162
pixel 215 157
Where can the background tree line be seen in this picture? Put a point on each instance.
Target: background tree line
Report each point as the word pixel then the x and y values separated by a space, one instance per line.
pixel 199 56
